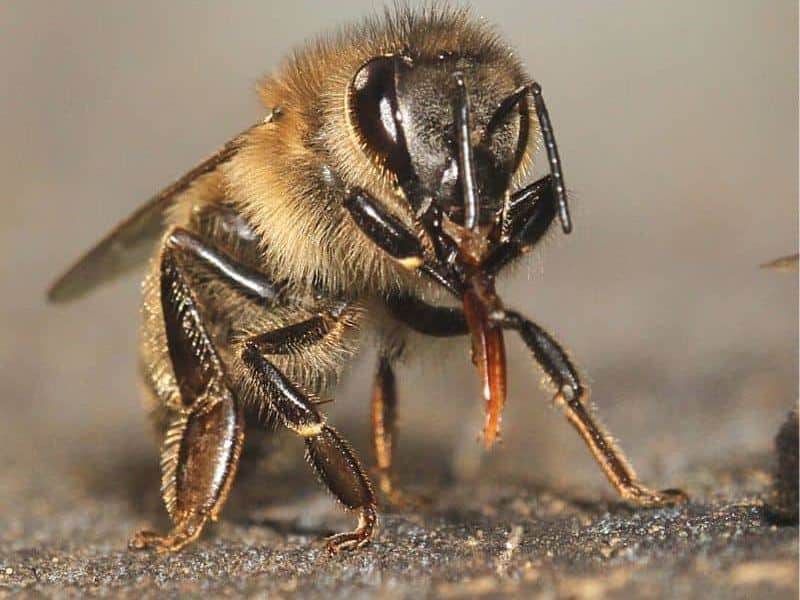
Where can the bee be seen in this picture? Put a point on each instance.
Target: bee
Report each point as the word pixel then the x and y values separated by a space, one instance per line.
pixel 385 191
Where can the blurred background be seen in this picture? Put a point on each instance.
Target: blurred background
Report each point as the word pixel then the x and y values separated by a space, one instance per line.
pixel 677 123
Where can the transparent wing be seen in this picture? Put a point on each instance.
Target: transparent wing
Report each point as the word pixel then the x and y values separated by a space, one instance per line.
pixel 131 242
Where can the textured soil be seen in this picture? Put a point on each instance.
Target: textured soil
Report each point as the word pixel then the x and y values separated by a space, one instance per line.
pixel 64 535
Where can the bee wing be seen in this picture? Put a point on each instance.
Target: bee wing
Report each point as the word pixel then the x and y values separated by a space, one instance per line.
pixel 131 242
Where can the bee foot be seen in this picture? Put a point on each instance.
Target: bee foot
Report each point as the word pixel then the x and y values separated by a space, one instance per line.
pixel 143 540
pixel 354 539
pixel 646 497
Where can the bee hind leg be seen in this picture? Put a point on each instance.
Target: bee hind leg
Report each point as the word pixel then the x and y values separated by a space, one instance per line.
pixel 330 456
pixel 204 440
pixel 199 460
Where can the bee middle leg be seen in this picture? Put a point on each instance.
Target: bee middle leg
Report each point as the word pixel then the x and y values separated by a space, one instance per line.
pixel 384 421
pixel 330 456
pixel 384 436
pixel 431 320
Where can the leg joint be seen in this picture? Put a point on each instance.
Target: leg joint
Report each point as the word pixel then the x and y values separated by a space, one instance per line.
pixel 548 353
pixel 292 405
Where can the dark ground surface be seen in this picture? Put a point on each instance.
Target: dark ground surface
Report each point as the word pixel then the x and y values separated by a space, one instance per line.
pixel 64 535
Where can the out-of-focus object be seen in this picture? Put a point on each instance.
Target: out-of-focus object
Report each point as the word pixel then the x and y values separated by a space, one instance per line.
pixel 783 508
pixel 784 263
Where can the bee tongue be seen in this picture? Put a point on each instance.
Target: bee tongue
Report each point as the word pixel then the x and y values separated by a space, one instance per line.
pixel 488 352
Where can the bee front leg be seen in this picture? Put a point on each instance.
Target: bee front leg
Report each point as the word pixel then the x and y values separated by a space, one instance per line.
pixel 330 456
pixel 445 321
pixel 394 238
pixel 573 396
pixel 203 443
pixel 526 220
pixel 384 229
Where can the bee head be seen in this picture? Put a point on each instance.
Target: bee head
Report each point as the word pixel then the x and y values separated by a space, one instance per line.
pixel 414 117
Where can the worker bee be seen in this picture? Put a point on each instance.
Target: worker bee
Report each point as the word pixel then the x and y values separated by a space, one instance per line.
pixel 384 191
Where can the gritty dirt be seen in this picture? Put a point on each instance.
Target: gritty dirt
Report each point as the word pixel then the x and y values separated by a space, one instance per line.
pixel 64 535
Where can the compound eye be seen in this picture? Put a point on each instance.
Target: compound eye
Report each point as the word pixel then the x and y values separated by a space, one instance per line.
pixel 372 102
